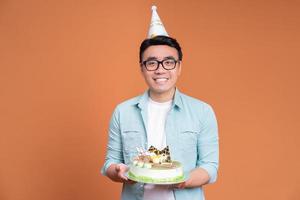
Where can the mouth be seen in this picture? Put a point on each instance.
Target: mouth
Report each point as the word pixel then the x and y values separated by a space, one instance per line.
pixel 160 80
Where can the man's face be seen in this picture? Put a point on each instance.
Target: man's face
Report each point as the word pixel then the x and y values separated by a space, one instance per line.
pixel 161 81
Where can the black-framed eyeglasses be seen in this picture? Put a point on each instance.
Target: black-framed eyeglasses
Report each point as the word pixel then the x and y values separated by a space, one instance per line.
pixel 153 65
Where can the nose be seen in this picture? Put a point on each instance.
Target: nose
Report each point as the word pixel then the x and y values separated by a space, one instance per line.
pixel 160 68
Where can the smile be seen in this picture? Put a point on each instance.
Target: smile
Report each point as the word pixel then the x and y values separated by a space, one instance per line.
pixel 159 80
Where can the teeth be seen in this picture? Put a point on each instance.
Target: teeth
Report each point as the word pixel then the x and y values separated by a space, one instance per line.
pixel 160 79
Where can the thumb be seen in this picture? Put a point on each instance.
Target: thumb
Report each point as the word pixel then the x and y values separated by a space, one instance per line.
pixel 117 168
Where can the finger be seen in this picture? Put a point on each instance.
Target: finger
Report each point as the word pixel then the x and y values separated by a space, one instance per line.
pixel 178 186
pixel 130 182
pixel 117 168
pixel 181 185
pixel 121 174
pixel 123 177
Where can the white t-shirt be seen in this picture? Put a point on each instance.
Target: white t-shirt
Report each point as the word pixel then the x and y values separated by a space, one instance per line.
pixel 157 114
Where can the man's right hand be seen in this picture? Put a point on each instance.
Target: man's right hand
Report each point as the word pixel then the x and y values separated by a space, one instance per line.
pixel 121 169
pixel 116 172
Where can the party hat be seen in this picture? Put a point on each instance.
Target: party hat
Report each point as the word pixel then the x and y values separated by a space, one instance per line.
pixel 156 25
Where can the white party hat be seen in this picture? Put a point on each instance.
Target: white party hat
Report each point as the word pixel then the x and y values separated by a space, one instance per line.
pixel 156 26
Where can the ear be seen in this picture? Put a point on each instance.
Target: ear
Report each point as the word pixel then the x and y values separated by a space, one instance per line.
pixel 141 67
pixel 179 67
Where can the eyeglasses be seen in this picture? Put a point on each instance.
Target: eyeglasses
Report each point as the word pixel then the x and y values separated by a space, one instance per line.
pixel 167 64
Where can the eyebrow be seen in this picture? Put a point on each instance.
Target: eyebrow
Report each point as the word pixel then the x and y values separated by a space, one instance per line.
pixel 155 58
pixel 152 58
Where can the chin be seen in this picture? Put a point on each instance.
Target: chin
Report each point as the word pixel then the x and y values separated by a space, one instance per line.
pixel 160 90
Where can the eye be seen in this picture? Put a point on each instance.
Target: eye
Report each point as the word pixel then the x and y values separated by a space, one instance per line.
pixel 151 63
pixel 169 62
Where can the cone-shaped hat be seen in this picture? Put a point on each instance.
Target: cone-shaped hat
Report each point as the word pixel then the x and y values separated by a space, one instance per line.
pixel 156 26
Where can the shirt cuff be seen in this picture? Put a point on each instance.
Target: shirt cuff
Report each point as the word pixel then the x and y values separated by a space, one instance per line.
pixel 105 167
pixel 212 172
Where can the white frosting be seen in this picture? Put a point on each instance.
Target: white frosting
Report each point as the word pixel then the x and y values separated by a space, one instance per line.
pixel 155 173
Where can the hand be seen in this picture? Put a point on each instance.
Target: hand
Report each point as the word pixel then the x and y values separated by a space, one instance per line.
pixel 121 169
pixel 196 178
pixel 179 185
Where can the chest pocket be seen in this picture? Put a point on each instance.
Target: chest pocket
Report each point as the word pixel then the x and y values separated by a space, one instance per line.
pixel 189 136
pixel 187 147
pixel 188 139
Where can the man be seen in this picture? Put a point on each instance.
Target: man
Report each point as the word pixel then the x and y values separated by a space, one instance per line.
pixel 163 116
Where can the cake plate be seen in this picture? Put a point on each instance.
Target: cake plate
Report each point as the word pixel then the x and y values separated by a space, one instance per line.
pixel 185 177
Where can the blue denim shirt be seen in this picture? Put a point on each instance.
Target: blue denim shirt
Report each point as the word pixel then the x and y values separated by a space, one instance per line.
pixel 191 132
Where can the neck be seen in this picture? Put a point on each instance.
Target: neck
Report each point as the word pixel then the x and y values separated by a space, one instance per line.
pixel 162 97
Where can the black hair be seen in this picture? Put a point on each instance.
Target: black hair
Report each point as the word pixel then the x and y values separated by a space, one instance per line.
pixel 160 40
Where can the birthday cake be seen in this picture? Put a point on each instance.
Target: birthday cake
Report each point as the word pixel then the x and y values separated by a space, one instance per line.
pixel 155 166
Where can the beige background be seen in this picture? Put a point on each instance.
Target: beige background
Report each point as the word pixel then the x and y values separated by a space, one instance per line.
pixel 64 65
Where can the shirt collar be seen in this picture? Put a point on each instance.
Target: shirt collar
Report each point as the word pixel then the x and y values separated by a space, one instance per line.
pixel 177 101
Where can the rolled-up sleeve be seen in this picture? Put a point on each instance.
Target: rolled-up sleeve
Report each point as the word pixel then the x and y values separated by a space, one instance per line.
pixel 208 144
pixel 114 152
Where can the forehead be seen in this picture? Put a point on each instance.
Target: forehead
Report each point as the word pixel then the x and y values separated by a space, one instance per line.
pixel 160 52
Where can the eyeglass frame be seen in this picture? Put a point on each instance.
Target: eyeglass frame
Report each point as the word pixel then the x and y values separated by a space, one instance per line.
pixel 160 63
